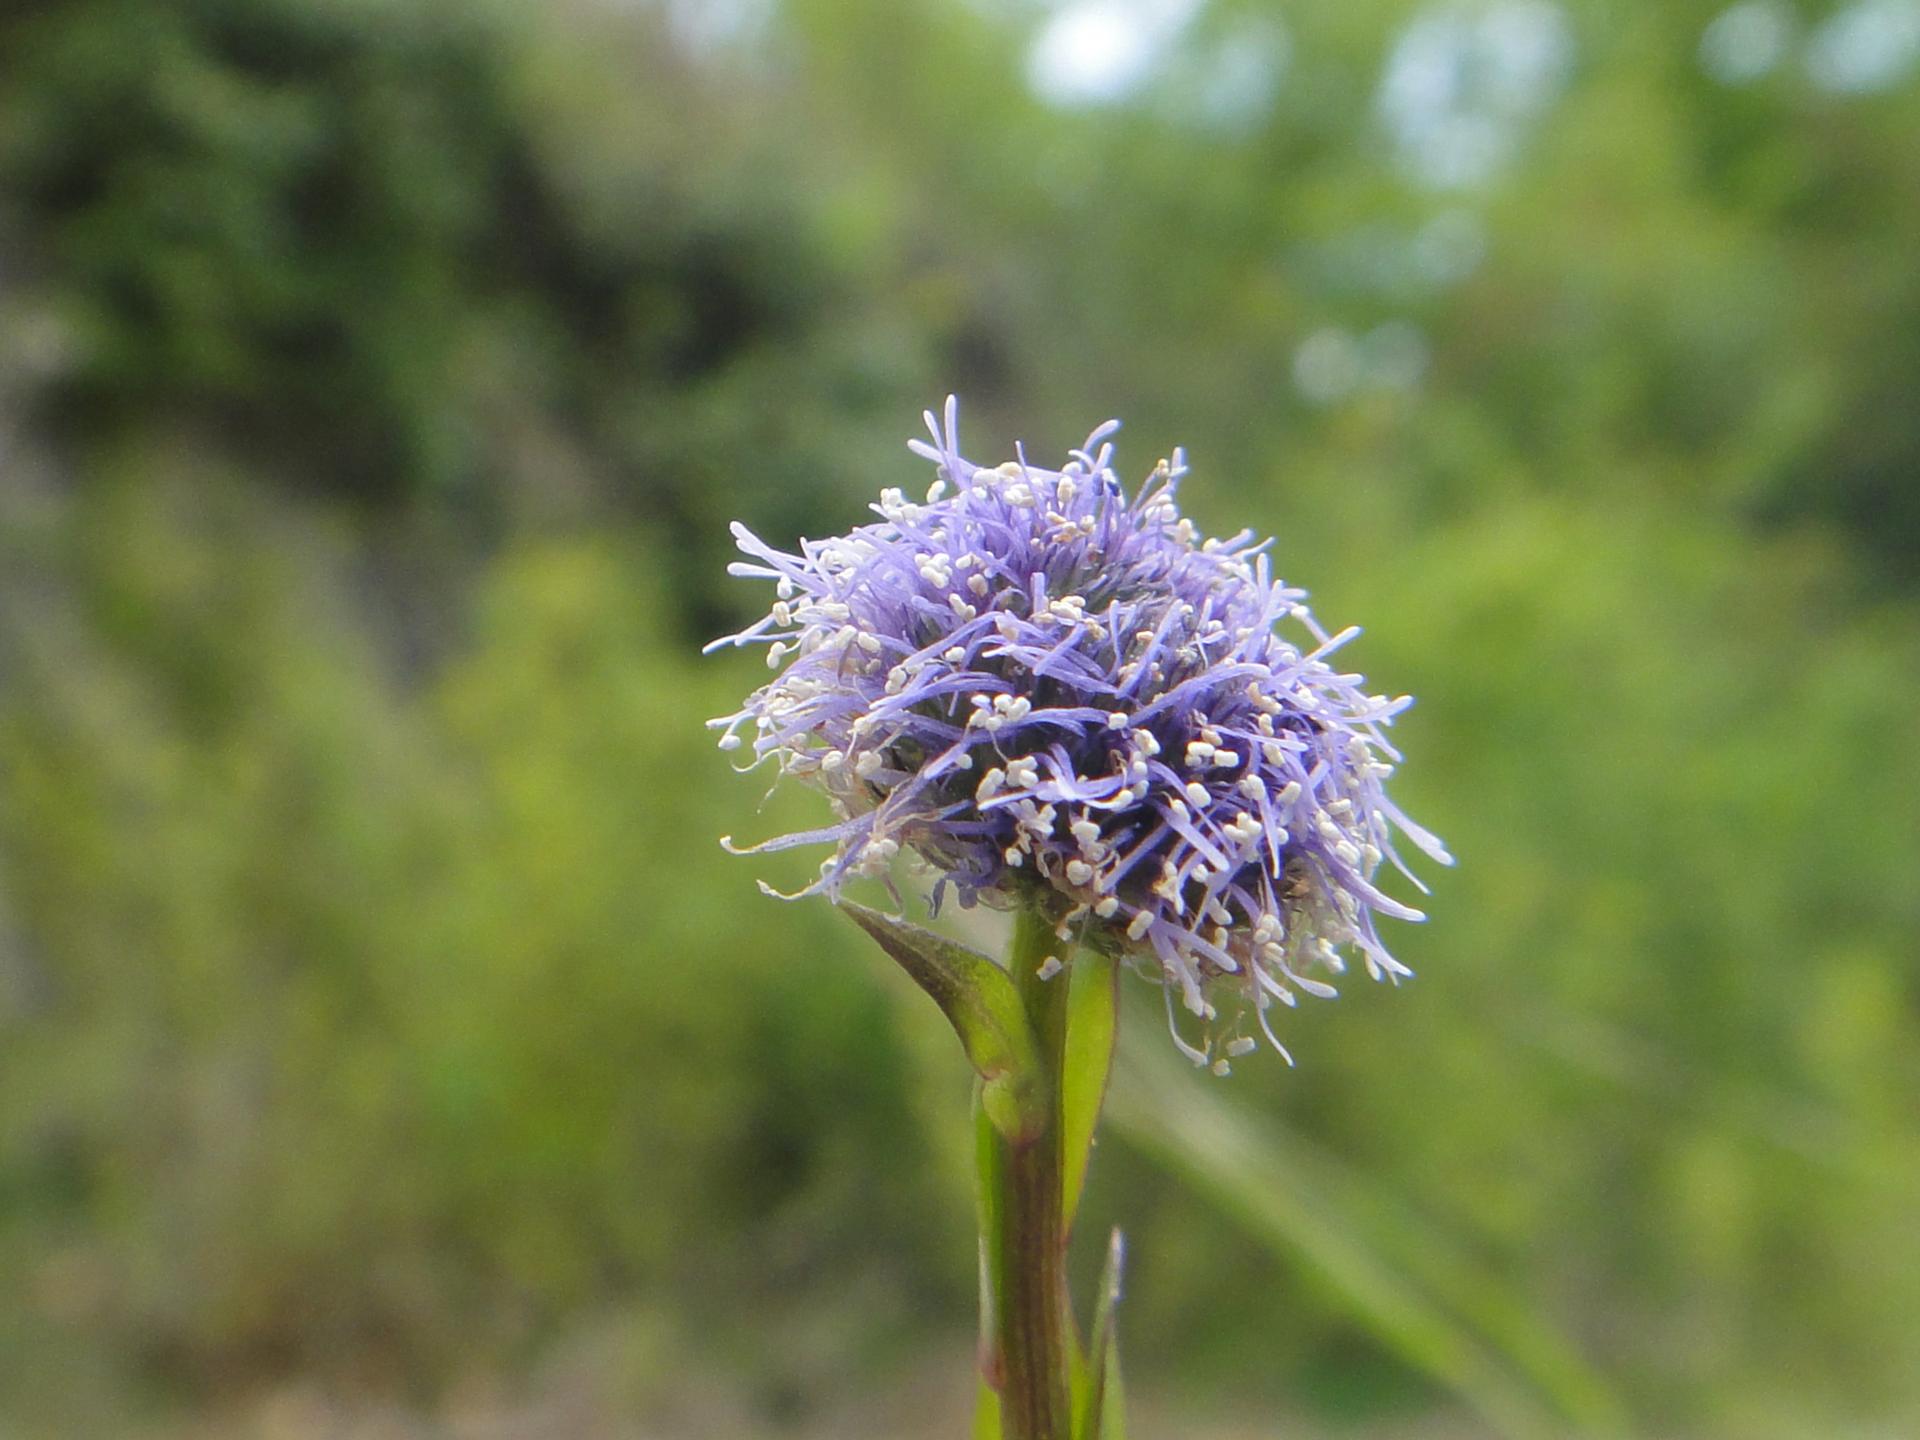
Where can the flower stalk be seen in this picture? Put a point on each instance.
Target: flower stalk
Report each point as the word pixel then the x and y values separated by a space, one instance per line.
pixel 1064 701
pixel 1032 1310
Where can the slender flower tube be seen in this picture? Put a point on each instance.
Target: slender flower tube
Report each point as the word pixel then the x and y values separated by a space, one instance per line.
pixel 1062 697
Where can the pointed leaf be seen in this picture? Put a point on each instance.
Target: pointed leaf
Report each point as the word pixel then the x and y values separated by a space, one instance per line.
pixel 1103 1415
pixel 986 1412
pixel 1113 1400
pixel 1092 995
pixel 987 1190
pixel 980 1001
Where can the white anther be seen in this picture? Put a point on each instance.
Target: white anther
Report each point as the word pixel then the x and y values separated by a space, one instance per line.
pixel 1197 793
pixel 1079 872
pixel 1049 967
pixel 1139 925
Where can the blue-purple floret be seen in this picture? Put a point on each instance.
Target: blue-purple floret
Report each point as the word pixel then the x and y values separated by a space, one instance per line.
pixel 1060 694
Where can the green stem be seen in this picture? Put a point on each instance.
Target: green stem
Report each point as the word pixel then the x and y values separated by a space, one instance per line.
pixel 1035 1319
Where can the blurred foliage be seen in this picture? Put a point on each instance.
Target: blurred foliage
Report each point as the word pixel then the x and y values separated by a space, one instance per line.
pixel 390 1032
pixel 378 381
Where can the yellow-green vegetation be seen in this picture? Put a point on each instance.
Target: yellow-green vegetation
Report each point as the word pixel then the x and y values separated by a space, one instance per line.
pixel 377 1010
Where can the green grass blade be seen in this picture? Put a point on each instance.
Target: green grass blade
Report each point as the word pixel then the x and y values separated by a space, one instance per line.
pixel 1411 1287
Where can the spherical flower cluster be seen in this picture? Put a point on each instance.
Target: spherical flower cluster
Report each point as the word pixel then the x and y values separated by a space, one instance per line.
pixel 1062 695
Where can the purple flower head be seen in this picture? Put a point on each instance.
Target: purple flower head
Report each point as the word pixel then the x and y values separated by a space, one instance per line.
pixel 1060 694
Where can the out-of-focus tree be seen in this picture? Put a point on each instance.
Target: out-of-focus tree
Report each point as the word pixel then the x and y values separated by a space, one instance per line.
pixel 365 963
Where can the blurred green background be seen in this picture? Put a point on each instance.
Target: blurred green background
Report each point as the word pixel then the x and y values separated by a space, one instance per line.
pixel 386 1047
